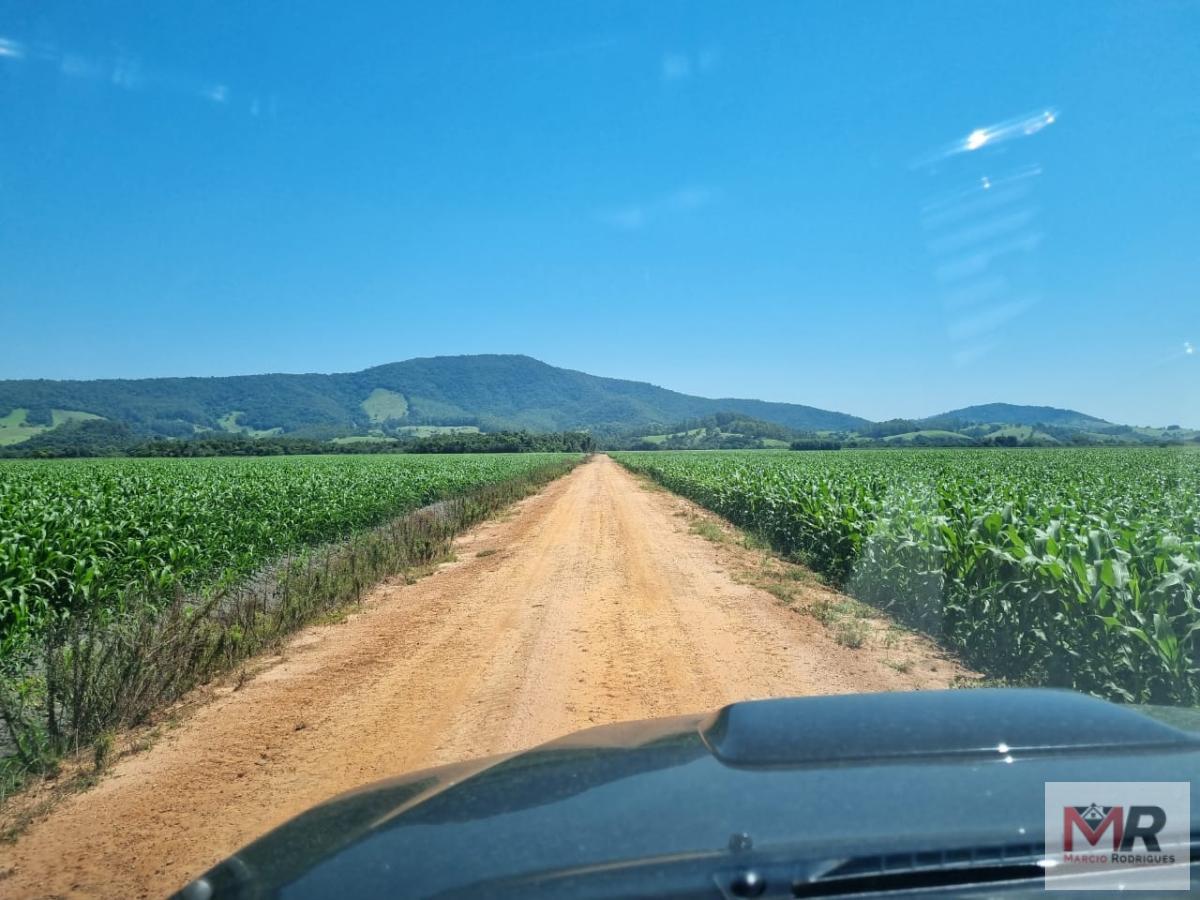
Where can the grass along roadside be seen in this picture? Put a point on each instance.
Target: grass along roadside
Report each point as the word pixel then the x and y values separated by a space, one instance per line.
pixel 850 623
pixel 115 672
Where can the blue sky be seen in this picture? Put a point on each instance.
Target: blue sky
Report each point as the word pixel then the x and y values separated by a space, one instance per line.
pixel 885 208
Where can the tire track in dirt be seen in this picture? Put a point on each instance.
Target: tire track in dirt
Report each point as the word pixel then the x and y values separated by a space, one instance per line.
pixel 597 605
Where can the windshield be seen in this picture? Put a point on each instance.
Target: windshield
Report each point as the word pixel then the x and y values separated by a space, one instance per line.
pixel 389 386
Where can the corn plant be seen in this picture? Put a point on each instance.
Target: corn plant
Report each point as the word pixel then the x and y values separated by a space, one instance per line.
pixel 1071 567
pixel 122 582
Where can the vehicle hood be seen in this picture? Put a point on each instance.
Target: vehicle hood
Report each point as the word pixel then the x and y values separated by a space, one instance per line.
pixel 818 778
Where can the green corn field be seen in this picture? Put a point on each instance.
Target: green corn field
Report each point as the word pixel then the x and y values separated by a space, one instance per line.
pixel 1076 568
pixel 123 583
pixel 83 537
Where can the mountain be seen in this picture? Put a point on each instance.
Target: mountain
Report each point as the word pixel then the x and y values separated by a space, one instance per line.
pixel 1010 414
pixel 491 392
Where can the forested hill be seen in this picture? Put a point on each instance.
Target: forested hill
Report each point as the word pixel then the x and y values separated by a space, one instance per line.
pixel 490 392
pixel 1011 414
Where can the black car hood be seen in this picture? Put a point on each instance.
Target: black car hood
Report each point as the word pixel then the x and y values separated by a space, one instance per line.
pixel 818 780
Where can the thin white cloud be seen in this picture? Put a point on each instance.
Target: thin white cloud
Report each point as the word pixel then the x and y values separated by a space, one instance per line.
pixel 676 66
pixel 690 198
pixel 680 66
pixel 636 216
pixel 127 74
pixel 628 218
pixel 75 66
pixel 11 49
pixel 577 48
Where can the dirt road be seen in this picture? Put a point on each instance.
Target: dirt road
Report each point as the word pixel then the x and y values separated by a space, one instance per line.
pixel 593 601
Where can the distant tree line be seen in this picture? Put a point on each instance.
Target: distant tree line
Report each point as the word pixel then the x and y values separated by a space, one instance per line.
pixel 891 428
pixel 816 443
pixel 719 431
pixel 722 431
pixel 99 438
pixel 503 442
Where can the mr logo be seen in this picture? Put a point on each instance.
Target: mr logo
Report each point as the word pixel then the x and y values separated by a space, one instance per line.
pixel 1129 835
pixel 1140 823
